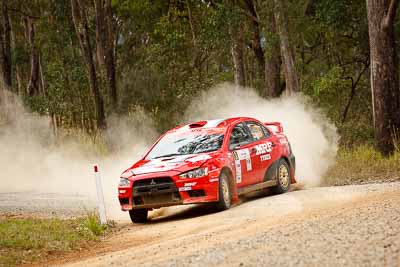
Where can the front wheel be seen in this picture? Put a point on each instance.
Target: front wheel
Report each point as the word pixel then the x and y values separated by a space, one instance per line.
pixel 283 176
pixel 225 198
pixel 138 215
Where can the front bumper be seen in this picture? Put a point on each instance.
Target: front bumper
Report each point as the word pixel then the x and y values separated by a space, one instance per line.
pixel 162 191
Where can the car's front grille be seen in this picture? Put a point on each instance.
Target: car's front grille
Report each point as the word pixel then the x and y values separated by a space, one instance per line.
pixel 153 181
pixel 154 186
pixel 157 199
pixel 196 193
pixel 155 191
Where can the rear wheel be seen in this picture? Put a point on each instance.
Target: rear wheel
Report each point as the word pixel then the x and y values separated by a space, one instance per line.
pixel 138 215
pixel 283 177
pixel 224 190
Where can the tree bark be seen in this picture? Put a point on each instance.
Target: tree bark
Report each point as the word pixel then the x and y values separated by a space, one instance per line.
pixel 384 73
pixel 5 48
pixel 237 51
pixel 105 40
pixel 256 42
pixel 273 63
pixel 34 77
pixel 82 30
pixel 292 83
pixel 269 67
pixel 193 32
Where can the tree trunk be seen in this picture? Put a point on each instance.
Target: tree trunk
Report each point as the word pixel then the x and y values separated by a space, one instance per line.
pixel 19 89
pixel 82 30
pixel 256 42
pixel 100 32
pixel 34 77
pixel 105 40
pixel 273 63
pixel 292 83
pixel 384 73
pixel 194 36
pixel 238 56
pixel 5 48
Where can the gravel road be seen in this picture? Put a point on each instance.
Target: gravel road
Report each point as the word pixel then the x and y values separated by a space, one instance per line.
pixel 326 226
pixel 45 204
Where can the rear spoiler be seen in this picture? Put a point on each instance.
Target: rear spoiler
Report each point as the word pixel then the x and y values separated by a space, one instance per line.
pixel 274 126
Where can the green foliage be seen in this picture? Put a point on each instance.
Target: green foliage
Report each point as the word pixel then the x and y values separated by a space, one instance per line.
pixel 93 225
pixel 363 164
pixel 166 55
pixel 30 239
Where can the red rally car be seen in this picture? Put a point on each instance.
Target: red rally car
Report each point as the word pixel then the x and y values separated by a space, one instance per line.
pixel 212 161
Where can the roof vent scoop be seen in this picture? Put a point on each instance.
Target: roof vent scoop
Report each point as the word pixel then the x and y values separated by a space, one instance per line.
pixel 197 124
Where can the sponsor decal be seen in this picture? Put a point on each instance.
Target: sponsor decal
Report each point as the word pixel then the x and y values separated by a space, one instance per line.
pixel 190 184
pixel 198 158
pixel 238 168
pixel 245 154
pixel 186 188
pixel 263 148
pixel 214 180
pixel 283 141
pixel 238 155
pixel 265 157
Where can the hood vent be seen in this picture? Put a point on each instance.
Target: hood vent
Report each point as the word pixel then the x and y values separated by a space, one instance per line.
pixel 197 124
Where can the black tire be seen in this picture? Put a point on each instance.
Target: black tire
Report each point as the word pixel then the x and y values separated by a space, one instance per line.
pixel 224 193
pixel 283 177
pixel 138 215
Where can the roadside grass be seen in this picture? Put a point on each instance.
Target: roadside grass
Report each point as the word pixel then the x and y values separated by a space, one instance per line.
pixel 362 164
pixel 26 240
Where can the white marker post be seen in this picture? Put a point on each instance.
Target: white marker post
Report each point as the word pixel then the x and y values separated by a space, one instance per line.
pixel 100 196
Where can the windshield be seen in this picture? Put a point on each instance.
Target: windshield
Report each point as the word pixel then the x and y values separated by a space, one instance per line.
pixel 186 143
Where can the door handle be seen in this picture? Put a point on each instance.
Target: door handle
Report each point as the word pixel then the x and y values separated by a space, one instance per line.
pixel 273 144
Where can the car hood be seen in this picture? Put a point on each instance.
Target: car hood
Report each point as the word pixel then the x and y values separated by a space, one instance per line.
pixel 176 163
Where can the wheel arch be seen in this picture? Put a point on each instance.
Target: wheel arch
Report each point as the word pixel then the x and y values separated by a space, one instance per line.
pixel 232 183
pixel 270 173
pixel 292 169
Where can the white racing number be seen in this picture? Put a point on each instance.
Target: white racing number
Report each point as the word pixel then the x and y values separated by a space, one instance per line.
pixel 242 154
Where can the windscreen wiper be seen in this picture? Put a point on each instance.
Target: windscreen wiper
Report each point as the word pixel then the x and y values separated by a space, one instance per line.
pixel 167 155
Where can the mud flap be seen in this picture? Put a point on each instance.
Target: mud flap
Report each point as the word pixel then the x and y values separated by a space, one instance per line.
pixel 292 165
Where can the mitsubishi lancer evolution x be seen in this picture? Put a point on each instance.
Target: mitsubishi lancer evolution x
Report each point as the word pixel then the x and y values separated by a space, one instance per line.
pixel 212 161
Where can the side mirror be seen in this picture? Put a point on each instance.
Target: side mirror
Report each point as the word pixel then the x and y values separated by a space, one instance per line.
pixel 234 147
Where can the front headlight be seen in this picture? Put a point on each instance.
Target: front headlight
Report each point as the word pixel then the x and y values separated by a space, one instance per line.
pixel 124 182
pixel 197 173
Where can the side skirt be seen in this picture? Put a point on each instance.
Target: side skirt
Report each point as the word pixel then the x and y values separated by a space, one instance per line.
pixel 251 188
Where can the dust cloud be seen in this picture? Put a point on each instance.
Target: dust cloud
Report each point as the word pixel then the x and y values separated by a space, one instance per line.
pixel 32 160
pixel 313 138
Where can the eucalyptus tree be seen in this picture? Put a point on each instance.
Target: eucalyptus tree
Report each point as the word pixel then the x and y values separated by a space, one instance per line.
pixel 5 47
pixel 384 73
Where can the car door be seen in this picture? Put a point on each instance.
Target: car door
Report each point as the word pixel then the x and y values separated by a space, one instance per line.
pixel 264 149
pixel 240 141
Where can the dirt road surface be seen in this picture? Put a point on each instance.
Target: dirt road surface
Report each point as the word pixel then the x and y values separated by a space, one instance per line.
pixel 325 226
